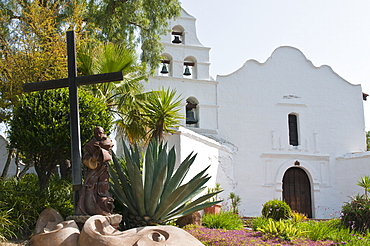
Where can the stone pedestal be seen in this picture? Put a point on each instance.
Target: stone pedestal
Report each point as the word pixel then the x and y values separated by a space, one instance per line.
pixel 80 220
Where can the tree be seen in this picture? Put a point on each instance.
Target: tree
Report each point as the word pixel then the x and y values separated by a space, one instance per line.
pixel 31 49
pixel 106 58
pixel 39 128
pixel 121 97
pixel 134 23
pixel 32 36
pixel 161 110
pixel 139 116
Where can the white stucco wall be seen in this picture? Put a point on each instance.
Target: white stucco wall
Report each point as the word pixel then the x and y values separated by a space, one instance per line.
pixel 243 124
pixel 258 98
pixel 209 153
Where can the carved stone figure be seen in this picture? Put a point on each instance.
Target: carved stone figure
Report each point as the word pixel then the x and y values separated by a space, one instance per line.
pixel 51 229
pixel 98 232
pixel 95 198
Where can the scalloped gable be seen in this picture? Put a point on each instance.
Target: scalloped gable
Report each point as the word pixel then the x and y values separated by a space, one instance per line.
pixel 186 21
pixel 287 55
pixel 185 14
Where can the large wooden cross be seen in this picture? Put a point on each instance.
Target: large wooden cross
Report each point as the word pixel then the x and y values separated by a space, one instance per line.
pixel 72 82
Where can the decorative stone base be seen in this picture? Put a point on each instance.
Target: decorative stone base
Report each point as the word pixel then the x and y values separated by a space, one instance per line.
pixel 98 231
pixel 80 220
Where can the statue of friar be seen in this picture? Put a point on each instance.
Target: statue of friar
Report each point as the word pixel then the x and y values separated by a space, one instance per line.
pixel 95 198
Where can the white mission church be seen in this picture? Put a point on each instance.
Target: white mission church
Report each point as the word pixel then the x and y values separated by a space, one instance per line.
pixel 280 129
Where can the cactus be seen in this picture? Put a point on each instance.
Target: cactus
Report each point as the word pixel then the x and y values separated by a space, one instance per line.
pixel 151 191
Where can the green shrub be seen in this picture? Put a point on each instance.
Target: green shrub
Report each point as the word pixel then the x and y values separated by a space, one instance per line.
pixel 277 210
pixel 298 217
pixel 223 220
pixel 24 201
pixel 317 230
pixel 59 195
pixel 258 222
pixel 235 202
pixel 283 229
pixel 5 225
pixel 356 214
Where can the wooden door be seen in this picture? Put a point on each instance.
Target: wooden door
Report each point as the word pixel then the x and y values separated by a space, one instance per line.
pixel 297 191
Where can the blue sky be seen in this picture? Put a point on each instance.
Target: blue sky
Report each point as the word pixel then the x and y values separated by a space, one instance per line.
pixel 328 32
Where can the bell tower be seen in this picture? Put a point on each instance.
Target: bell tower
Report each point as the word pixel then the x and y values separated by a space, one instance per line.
pixel 185 67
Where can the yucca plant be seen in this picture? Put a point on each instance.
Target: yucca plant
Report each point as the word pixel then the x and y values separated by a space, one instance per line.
pixel 151 190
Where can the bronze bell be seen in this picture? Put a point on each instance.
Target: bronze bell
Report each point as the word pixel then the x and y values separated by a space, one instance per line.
pixel 164 69
pixel 187 71
pixel 190 117
pixel 176 40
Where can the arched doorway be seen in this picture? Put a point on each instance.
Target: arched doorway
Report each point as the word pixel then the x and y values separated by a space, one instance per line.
pixel 297 191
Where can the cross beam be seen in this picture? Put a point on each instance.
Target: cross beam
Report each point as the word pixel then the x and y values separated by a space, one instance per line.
pixel 62 83
pixel 73 82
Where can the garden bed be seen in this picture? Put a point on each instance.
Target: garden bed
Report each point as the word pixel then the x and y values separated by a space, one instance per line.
pixel 220 237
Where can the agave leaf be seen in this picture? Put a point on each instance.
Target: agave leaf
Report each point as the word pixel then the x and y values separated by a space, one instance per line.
pixel 148 174
pixel 122 177
pixel 157 190
pixel 162 159
pixel 199 188
pixel 115 186
pixel 194 188
pixel 138 188
pixel 182 198
pixel 177 197
pixel 136 181
pixel 129 163
pixel 178 177
pixel 120 195
pixel 171 163
pixel 158 158
pixel 165 205
pixel 117 195
pixel 192 210
pixel 184 210
pixel 154 146
pixel 186 168
pixel 136 156
pixel 190 196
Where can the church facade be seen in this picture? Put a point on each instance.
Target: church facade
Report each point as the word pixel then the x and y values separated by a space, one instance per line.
pixel 282 129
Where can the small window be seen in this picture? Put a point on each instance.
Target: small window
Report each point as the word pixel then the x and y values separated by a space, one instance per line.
pixel 293 129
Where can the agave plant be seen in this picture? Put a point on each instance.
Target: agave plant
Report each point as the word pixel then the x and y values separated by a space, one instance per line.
pixel 364 182
pixel 151 190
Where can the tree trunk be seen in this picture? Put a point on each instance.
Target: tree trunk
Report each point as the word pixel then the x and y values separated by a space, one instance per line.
pixel 8 161
pixel 20 173
pixel 43 171
pixel 66 170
